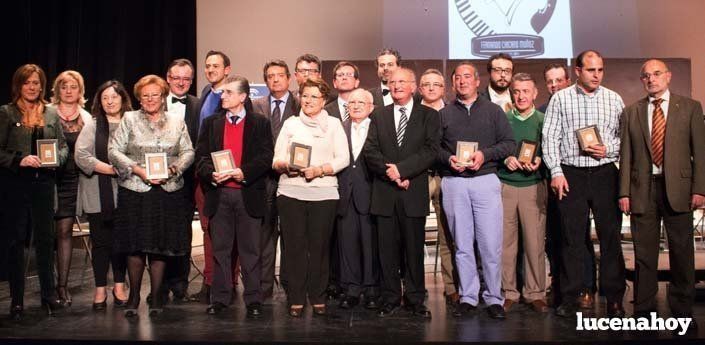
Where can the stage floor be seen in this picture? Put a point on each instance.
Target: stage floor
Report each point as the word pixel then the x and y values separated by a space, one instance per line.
pixel 188 323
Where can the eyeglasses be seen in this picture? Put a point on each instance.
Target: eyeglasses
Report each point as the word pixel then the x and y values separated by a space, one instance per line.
pixel 400 82
pixel 502 70
pixel 356 103
pixel 152 96
pixel 435 85
pixel 647 76
pixel 307 71
pixel 178 79
pixel 348 74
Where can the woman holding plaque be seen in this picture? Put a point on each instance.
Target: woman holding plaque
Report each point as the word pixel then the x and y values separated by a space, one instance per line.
pixel 29 182
pixel 310 150
pixel 97 189
pixel 67 99
pixel 151 218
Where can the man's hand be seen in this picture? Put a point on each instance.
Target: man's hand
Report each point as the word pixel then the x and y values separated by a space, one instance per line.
pixel 30 161
pixel 219 178
pixel 238 175
pixel 625 205
pixel 477 159
pixel 559 185
pixel 597 151
pixel 455 165
pixel 533 166
pixel 403 184
pixel 512 163
pixel 697 201
pixel 392 172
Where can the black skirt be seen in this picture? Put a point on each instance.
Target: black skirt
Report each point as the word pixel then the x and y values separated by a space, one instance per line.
pixel 154 222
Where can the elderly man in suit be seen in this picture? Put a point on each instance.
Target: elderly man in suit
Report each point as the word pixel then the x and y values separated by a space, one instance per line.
pixel 357 238
pixel 234 199
pixel 278 106
pixel 657 187
pixel 346 78
pixel 401 146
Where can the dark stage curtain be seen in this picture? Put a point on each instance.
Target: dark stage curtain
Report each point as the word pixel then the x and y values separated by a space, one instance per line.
pixel 122 40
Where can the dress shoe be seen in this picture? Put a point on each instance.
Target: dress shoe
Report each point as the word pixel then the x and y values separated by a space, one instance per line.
pixel 421 310
pixel 508 303
pixel 101 305
pixel 156 311
pixel 51 305
pixel 539 306
pixel 567 310
pixel 181 298
pixel 254 309
pixel 496 311
pixel 615 309
pixel 203 296
pixel 130 312
pixel 586 300
pixel 216 308
pixel 349 302
pixel 118 303
pixel 296 311
pixel 371 303
pixel 463 309
pixel 16 312
pixel 319 310
pixel 388 309
pixel 452 299
pixel 332 292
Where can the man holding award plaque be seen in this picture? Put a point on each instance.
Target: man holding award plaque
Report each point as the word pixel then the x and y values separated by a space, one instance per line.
pixel 524 200
pixel 235 149
pixel 470 187
pixel 581 144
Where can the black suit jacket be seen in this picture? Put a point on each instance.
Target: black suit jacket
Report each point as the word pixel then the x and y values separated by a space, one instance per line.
pixel 257 155
pixel 333 109
pixel 191 118
pixel 354 182
pixel 263 106
pixel 377 97
pixel 413 159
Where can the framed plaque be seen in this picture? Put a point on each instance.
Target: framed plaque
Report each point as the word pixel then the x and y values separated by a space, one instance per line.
pixel 527 151
pixel 223 161
pixel 156 165
pixel 300 156
pixel 588 136
pixel 464 151
pixel 47 151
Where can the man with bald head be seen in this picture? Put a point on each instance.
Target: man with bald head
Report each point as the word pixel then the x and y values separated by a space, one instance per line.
pixel 356 235
pixel 657 187
pixel 401 146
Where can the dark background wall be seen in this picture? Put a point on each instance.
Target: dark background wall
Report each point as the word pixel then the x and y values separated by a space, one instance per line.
pixel 103 40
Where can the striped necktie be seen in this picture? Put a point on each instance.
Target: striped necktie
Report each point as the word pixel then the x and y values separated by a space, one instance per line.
pixel 346 115
pixel 402 126
pixel 658 131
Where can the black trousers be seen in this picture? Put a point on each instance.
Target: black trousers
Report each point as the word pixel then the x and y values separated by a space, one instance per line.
pixel 232 227
pixel 646 231
pixel 401 241
pixel 102 253
pixel 268 241
pixel 306 229
pixel 591 189
pixel 358 253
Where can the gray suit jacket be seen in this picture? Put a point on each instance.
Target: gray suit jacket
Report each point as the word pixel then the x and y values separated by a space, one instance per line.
pixel 263 106
pixel 683 156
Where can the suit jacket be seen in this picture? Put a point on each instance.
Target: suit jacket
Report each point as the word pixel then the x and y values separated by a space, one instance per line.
pixel 354 182
pixel 191 118
pixel 257 155
pixel 263 106
pixel 683 156
pixel 485 93
pixel 333 109
pixel 377 97
pixel 413 159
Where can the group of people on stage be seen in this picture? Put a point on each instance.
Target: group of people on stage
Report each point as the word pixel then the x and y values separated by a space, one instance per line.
pixel 346 180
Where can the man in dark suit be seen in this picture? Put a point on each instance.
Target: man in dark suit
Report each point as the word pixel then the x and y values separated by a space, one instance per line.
pixel 346 78
pixel 357 238
pixel 655 186
pixel 388 60
pixel 179 103
pixel 236 204
pixel 501 68
pixel 277 107
pixel 401 146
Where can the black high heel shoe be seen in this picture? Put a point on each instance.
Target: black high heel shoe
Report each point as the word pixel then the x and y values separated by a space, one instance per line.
pixel 16 312
pixel 119 303
pixel 101 305
pixel 64 295
pixel 50 305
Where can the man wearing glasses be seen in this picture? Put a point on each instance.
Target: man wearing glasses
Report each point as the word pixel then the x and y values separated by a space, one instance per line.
pixel 500 66
pixel 346 78
pixel 307 66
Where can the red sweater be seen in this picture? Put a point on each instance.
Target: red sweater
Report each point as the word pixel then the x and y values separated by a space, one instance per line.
pixel 232 140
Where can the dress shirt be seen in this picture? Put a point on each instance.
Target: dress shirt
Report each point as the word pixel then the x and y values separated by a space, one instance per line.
pixel 238 117
pixel 341 107
pixel 571 109
pixel 503 100
pixel 282 105
pixel 358 135
pixel 177 109
pixel 666 97
pixel 388 98
pixel 397 113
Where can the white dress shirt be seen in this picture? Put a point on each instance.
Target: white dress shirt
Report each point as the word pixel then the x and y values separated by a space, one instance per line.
pixel 504 100
pixel 397 113
pixel 176 109
pixel 358 135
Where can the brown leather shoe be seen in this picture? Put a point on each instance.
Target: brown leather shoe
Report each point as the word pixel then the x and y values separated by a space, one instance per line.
pixel 508 303
pixel 452 299
pixel 539 306
pixel 586 300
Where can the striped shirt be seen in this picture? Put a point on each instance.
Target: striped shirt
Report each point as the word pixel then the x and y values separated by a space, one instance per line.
pixel 571 109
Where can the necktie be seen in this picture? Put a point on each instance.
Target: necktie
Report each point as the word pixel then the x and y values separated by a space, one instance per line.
pixel 180 100
pixel 276 114
pixel 402 126
pixel 346 115
pixel 658 131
